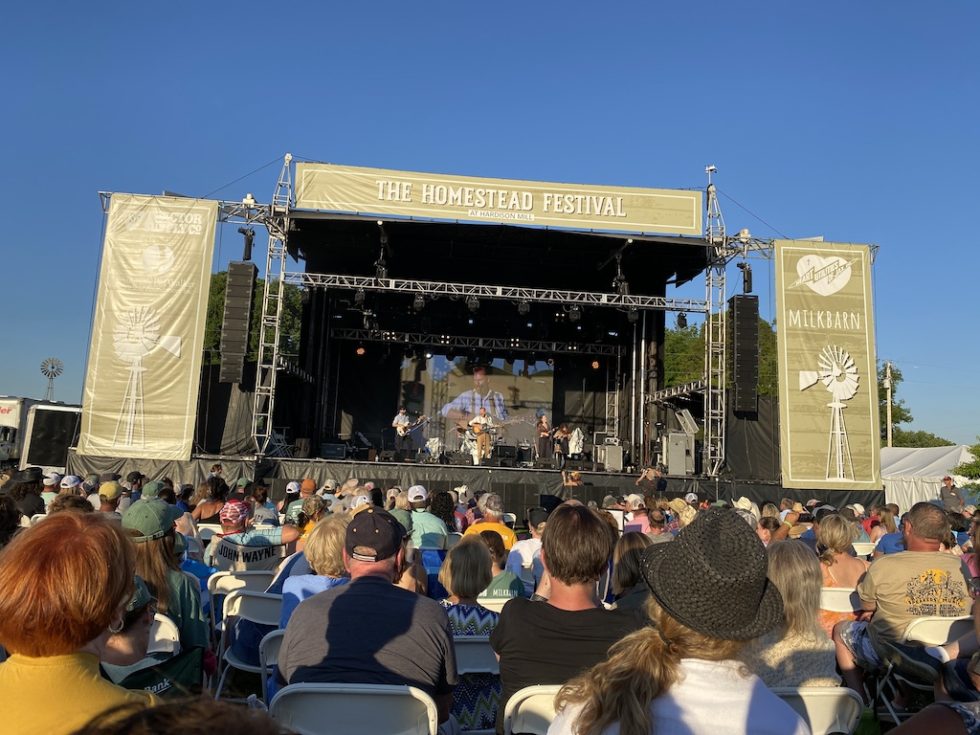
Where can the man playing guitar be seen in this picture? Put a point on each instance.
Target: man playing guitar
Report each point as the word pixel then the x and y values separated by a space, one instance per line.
pixel 404 427
pixel 481 424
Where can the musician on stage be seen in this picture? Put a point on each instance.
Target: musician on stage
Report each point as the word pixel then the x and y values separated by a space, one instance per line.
pixel 543 442
pixel 401 424
pixel 481 424
pixel 482 395
pixel 560 437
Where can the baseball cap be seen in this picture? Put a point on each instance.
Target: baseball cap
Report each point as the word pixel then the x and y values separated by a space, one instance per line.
pixel 373 535
pixel 292 488
pixel 417 494
pixel 691 498
pixel 242 481
pixel 70 481
pixel 153 518
pixel 141 595
pixel 110 490
pixel 134 476
pixel 392 493
pixel 234 512
pixel 152 489
pixel 52 480
pixel 634 501
pixel 329 485
pixel 359 501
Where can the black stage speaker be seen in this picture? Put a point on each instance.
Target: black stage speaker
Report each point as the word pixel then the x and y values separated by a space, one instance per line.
pixel 237 320
pixel 745 343
pixel 333 451
pixel 544 463
pixel 460 458
pixel 506 451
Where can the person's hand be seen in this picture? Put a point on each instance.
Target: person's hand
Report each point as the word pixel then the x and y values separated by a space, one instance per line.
pixel 792 518
pixel 865 615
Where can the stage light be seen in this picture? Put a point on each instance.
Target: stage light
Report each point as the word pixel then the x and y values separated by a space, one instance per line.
pixel 428 355
pixel 359 297
pixel 682 321
pixel 595 364
pixel 472 303
pixel 530 325
pixel 418 303
pixel 632 315
pixel 360 350
pixel 574 313
pixel 523 307
pixel 470 321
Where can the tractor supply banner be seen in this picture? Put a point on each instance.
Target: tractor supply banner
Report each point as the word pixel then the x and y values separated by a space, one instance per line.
pixel 144 365
pixel 828 388
pixel 375 191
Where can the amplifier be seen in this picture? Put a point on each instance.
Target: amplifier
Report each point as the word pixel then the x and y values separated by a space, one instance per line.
pixel 333 451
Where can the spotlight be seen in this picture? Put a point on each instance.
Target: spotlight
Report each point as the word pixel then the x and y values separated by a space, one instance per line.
pixel 595 364
pixel 470 321
pixel 682 321
pixel 418 303
pixel 359 297
pixel 632 315
pixel 472 303
pixel 360 350
pixel 428 355
pixel 530 325
pixel 523 307
pixel 574 313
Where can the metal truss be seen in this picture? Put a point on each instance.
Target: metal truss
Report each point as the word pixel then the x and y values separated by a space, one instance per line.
pixel 509 293
pixel 715 342
pixel 695 386
pixel 463 344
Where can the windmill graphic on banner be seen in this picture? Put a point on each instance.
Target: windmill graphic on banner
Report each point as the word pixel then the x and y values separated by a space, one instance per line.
pixel 839 375
pixel 136 335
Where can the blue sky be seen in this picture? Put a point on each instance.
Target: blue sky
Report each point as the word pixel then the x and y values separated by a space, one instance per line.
pixel 855 121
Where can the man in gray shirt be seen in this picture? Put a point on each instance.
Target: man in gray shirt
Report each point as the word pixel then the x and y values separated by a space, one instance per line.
pixel 370 631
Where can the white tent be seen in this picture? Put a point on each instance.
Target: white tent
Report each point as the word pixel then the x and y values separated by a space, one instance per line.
pixel 911 474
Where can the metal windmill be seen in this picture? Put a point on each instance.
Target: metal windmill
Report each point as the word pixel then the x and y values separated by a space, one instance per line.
pixel 839 375
pixel 51 368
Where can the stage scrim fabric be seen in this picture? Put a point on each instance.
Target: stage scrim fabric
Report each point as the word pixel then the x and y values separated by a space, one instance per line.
pixel 144 365
pixel 374 191
pixel 828 394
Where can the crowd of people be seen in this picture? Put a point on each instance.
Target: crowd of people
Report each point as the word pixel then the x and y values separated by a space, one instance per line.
pixel 636 605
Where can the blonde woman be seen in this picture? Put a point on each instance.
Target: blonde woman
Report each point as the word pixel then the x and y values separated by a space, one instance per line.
pixel 838 568
pixel 886 524
pixel 324 553
pixel 796 653
pixel 709 595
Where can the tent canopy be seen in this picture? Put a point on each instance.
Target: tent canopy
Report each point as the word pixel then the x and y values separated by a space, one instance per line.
pixel 912 475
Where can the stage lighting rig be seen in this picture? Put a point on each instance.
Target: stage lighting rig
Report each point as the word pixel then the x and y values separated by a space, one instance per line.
pixel 619 284
pixel 632 316
pixel 523 307
pixel 574 313
pixel 418 303
pixel 249 234
pixel 472 303
pixel 380 265
pixel 746 269
pixel 682 321
pixel 359 296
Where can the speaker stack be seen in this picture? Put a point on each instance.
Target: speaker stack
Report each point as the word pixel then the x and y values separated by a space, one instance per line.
pixel 744 310
pixel 236 320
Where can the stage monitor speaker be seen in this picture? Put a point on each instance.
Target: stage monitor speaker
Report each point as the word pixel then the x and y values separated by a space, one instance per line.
pixel 613 459
pixel 544 463
pixel 506 451
pixel 333 451
pixel 236 321
pixel 745 343
pixel 460 458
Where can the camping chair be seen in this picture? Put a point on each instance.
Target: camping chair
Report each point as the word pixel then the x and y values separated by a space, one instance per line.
pixel 268 656
pixel 258 607
pixel 531 710
pixel 221 584
pixel 927 631
pixel 367 708
pixel 825 709
pixel 839 599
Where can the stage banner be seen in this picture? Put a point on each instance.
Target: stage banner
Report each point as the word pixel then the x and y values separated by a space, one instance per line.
pixel 828 389
pixel 375 191
pixel 144 365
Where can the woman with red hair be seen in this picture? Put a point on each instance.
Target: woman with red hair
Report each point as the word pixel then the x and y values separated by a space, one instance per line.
pixel 66 582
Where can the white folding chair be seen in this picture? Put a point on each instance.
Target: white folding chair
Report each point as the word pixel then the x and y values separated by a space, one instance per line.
pixel 315 709
pixel 260 608
pixel 268 656
pixel 221 584
pixel 839 599
pixel 509 520
pixel 863 548
pixel 494 604
pixel 474 655
pixel 531 710
pixel 825 709
pixel 207 530
pixel 164 636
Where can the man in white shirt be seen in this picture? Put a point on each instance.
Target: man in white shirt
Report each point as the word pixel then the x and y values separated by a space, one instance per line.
pixel 520 561
pixel 481 425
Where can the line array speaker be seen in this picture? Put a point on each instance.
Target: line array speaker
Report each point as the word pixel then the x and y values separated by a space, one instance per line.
pixel 745 342
pixel 237 320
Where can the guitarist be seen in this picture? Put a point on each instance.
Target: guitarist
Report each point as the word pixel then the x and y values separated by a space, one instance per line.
pixel 481 425
pixel 403 435
pixel 481 395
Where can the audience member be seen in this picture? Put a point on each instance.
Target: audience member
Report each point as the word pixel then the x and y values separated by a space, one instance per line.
pixel 264 512
pixel 796 653
pixel 9 519
pixel 66 583
pixel 208 509
pixel 428 531
pixel 628 586
pixel 309 515
pixel 191 716
pixel 636 516
pixel 25 487
pixel 239 548
pixel 520 560
pixel 400 638
pixel 550 642
pixel 325 555
pixel 443 507
pixel 70 502
pixel 504 583
pixel 492 520
pixel 884 524
pixel 307 489
pixel 710 595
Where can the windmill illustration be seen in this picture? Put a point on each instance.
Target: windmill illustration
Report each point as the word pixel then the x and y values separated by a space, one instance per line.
pixel 51 368
pixel 839 375
pixel 136 336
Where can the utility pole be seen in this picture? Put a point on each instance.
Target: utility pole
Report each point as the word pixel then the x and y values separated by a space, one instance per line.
pixel 888 403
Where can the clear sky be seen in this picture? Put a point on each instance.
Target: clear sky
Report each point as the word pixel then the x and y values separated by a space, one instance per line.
pixel 855 121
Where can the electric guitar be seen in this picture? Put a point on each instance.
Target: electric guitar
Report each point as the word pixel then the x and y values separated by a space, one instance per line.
pixel 406 430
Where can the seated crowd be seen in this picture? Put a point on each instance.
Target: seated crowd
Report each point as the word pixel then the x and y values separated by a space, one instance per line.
pixel 635 608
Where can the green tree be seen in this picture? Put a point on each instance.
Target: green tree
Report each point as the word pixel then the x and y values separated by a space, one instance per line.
pixel 291 320
pixel 900 412
pixel 683 355
pixel 971 469
pixel 903 438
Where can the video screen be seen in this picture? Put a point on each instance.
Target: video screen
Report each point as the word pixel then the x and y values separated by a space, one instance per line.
pixel 444 395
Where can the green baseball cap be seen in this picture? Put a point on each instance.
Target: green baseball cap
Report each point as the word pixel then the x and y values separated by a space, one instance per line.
pixel 153 518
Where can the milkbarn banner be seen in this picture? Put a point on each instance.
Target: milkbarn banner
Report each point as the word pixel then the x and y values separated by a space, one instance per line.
pixel 144 365
pixel 828 388
pixel 375 191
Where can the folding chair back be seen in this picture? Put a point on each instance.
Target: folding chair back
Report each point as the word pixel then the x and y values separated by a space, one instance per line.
pixel 474 655
pixel 228 556
pixel 530 710
pixel 494 604
pixel 268 656
pixel 936 631
pixel 207 530
pixel 164 636
pixel 863 548
pixel 839 599
pixel 221 584
pixel 825 709
pixel 260 608
pixel 314 709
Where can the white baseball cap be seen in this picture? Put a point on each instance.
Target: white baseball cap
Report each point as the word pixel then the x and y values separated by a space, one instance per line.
pixel 417 494
pixel 70 481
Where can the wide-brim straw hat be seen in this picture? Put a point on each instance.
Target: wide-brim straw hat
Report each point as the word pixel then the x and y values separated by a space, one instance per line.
pixel 712 578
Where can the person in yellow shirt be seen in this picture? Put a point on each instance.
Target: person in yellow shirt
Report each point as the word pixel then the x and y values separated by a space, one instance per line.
pixel 493 513
pixel 66 583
